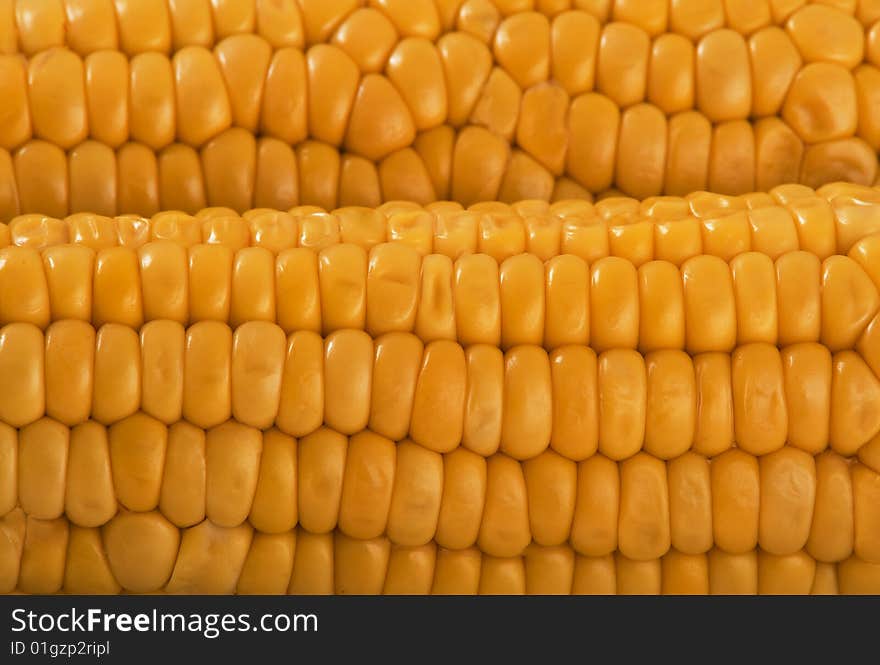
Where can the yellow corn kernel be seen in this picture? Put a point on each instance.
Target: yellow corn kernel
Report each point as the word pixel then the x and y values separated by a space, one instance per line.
pixel 142 549
pixel 269 564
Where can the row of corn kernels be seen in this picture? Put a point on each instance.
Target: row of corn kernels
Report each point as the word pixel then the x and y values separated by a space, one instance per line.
pixel 832 220
pixel 138 26
pixel 367 485
pixel 521 402
pixel 705 305
pixel 41 177
pixel 330 94
pixel 588 144
pixel 52 556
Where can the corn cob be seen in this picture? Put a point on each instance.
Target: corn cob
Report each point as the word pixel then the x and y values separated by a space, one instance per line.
pixel 560 425
pixel 675 395
pixel 133 106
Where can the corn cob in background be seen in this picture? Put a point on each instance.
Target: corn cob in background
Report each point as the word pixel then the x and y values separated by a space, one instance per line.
pixel 136 106
pixel 528 398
